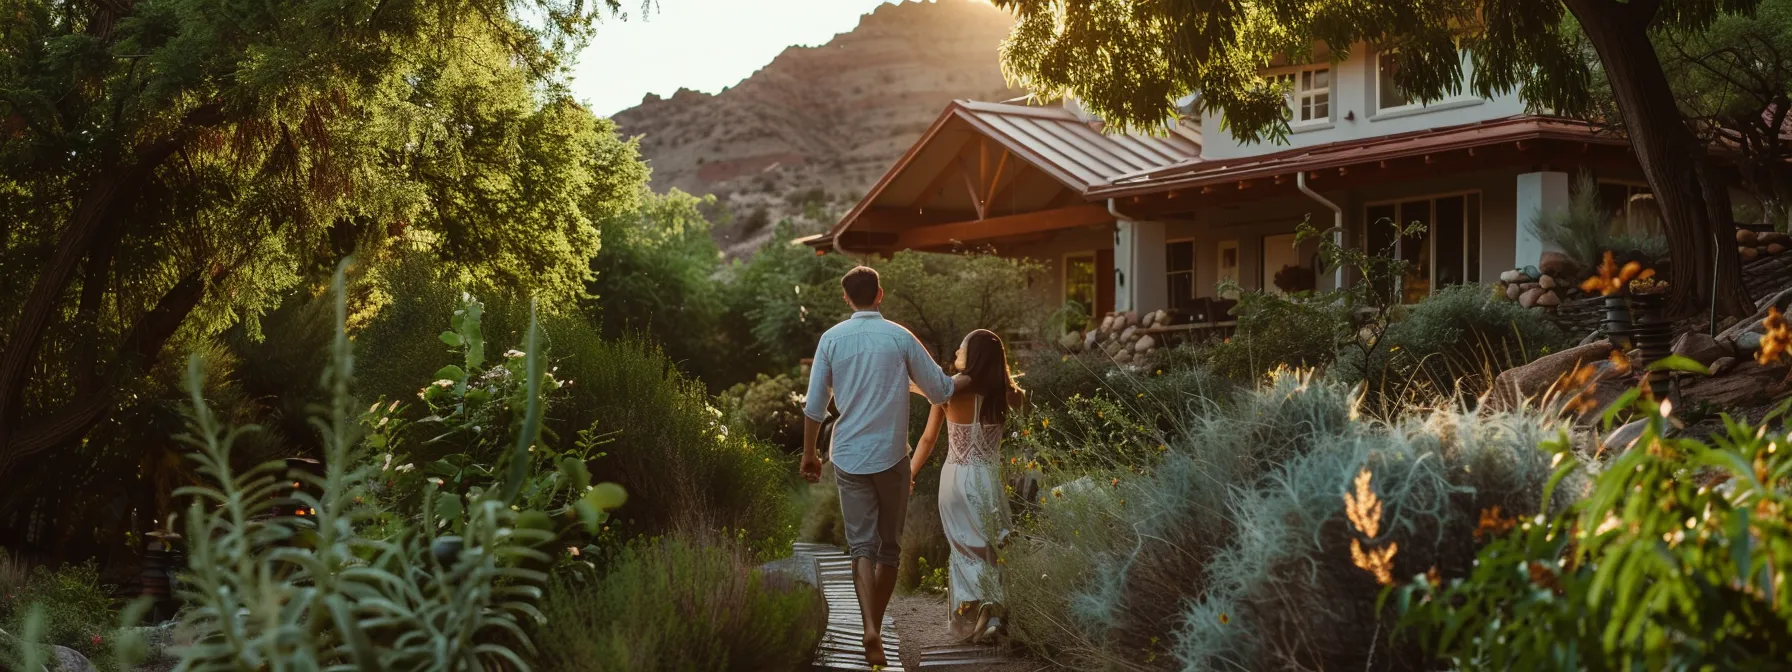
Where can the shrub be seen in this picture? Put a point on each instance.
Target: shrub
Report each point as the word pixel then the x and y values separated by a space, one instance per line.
pixel 305 588
pixel 943 297
pixel 1164 387
pixel 76 611
pixel 1300 331
pixel 1231 548
pixel 655 275
pixel 924 542
pixel 1452 343
pixel 781 300
pixel 767 409
pixel 662 439
pixel 679 603
pixel 1686 576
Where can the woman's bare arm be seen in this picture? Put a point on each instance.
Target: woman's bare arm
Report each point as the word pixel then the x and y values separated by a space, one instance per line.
pixel 924 447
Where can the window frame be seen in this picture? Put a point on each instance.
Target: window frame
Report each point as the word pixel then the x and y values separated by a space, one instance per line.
pixel 1064 279
pixel 1431 200
pixel 1291 100
pixel 1376 71
pixel 1194 248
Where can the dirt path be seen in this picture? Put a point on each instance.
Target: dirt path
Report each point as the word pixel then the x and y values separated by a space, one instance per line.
pixel 921 621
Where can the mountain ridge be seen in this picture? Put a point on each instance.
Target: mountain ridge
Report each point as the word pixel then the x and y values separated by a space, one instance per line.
pixel 806 135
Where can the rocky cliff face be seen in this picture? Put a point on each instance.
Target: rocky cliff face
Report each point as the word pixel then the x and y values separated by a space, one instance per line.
pixel 808 134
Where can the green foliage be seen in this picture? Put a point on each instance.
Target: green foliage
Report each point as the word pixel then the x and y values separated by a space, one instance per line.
pixel 663 441
pixel 1452 343
pixel 767 409
pixel 822 522
pixel 1130 63
pixel 1584 231
pixel 942 297
pixel 309 591
pixel 679 603
pixel 75 611
pixel 1298 331
pixel 654 276
pixel 784 298
pixel 220 154
pixel 1672 561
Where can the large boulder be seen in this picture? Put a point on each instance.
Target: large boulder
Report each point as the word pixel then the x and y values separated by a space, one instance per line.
pixel 1700 348
pixel 1145 344
pixel 1549 300
pixel 1529 297
pixel 1517 385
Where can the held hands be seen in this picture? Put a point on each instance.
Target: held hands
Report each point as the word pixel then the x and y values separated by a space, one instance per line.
pixel 811 467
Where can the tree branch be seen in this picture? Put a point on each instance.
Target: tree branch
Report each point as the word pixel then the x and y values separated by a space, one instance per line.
pixel 111 193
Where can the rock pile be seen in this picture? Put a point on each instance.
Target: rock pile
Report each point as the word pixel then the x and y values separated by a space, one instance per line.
pixel 1119 335
pixel 1751 245
pixel 1531 288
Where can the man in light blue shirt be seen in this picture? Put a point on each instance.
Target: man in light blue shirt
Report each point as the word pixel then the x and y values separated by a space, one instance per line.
pixel 866 364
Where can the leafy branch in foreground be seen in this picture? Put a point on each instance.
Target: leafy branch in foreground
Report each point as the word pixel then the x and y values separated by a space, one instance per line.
pixel 279 591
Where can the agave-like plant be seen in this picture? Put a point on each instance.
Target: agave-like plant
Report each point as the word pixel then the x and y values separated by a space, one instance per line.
pixel 274 591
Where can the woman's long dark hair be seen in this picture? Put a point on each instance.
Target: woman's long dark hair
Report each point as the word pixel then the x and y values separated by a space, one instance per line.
pixel 986 362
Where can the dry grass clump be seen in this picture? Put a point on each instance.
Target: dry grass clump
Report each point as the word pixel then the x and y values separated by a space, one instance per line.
pixel 1235 549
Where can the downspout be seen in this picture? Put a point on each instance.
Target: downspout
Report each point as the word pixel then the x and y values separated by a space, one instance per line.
pixel 1300 181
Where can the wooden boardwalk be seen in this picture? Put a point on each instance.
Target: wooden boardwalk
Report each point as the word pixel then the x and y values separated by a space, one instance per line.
pixel 840 648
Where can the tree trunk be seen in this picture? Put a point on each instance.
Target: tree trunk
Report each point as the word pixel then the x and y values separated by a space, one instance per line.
pixel 1692 194
pixel 112 191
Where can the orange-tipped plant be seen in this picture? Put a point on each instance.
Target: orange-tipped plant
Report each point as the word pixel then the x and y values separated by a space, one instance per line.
pixel 1613 279
pixel 1363 508
pixel 1774 343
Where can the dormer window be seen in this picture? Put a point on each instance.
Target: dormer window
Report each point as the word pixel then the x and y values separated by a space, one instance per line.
pixel 1309 94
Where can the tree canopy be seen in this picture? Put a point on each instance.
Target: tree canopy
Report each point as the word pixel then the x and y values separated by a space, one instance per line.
pixel 172 167
pixel 1131 61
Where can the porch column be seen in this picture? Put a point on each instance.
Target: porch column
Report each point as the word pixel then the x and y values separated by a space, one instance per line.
pixel 1140 283
pixel 1539 192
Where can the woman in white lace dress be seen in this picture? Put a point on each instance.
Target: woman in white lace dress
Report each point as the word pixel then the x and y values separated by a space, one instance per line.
pixel 973 507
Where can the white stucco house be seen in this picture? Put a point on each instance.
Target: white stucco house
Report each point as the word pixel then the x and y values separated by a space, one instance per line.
pixel 1131 222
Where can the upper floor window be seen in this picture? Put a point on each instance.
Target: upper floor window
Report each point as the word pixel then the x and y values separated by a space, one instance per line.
pixel 1389 95
pixel 1309 94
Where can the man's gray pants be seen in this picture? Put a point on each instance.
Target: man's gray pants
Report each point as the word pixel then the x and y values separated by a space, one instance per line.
pixel 874 507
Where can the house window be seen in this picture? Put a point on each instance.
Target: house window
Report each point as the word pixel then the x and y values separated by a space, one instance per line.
pixel 1632 207
pixel 1448 250
pixel 1309 94
pixel 1388 95
pixel 1179 262
pixel 1079 280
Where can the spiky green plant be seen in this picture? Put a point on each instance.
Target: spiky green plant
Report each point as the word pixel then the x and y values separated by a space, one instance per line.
pixel 311 592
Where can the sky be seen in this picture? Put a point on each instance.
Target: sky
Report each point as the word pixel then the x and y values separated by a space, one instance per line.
pixel 700 44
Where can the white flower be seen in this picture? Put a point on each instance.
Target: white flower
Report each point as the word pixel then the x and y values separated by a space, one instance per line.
pixel 444 383
pixel 410 467
pixel 393 407
pixel 388 464
pixel 374 408
pixel 513 354
pixel 382 422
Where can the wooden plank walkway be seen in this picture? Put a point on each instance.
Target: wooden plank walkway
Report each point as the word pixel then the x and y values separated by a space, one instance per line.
pixel 840 648
pixel 959 657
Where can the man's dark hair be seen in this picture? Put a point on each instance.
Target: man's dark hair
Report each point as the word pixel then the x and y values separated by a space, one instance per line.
pixel 860 284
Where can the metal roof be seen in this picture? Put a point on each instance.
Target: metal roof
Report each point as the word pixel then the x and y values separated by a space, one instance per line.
pixel 1059 142
pixel 1356 152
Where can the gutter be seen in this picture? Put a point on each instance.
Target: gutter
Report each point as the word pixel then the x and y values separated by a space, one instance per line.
pixel 1300 181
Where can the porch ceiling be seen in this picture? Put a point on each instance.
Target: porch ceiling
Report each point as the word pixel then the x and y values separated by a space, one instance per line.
pixel 985 167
